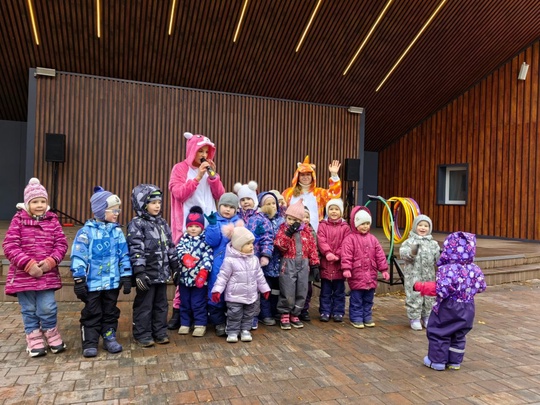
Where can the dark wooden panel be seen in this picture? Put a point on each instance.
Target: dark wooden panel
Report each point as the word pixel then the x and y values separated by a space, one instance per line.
pixel 493 127
pixel 120 134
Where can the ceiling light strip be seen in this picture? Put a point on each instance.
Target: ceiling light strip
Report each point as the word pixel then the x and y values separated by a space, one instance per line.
pixel 368 36
pixel 33 21
pixel 244 7
pixel 173 8
pixel 411 44
pixel 98 18
pixel 308 25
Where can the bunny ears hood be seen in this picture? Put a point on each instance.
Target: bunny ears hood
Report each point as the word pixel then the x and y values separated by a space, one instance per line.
pixel 196 142
pixel 305 167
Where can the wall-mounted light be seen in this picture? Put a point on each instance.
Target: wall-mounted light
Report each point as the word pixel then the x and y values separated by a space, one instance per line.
pixel 523 71
pixel 41 71
pixel 173 7
pixel 244 7
pixel 355 110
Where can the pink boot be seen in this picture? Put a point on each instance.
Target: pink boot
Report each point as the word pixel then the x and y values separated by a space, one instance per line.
pixel 35 344
pixel 54 340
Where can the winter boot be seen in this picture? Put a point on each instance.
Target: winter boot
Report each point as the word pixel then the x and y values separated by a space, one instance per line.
pixel 109 342
pixel 54 340
pixel 174 322
pixel 35 346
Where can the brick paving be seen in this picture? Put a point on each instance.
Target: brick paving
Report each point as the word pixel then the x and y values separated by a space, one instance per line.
pixel 324 363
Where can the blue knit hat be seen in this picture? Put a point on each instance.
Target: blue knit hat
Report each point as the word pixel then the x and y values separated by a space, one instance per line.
pixel 101 200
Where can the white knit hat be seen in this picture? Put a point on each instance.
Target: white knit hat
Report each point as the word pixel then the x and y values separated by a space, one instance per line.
pixel 240 237
pixel 338 202
pixel 247 191
pixel 361 217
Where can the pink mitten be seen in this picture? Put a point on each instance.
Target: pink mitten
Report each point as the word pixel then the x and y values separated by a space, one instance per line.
pixel 347 273
pixel 427 288
pixel 385 275
pixel 264 261
pixel 331 257
pixel 33 269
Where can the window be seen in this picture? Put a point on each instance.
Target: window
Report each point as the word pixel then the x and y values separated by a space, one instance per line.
pixel 452 184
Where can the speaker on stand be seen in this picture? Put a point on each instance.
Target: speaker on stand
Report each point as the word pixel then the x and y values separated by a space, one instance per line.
pixel 55 153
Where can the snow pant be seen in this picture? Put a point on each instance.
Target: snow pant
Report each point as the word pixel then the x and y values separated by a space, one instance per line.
pixel 217 313
pixel 447 329
pixel 99 314
pixel 176 299
pixel 309 294
pixel 269 306
pixel 240 316
pixel 332 298
pixel 361 305
pixel 293 286
pixel 416 305
pixel 193 309
pixel 150 313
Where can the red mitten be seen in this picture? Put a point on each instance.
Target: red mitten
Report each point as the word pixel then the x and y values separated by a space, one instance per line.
pixel 216 297
pixel 347 273
pixel 201 278
pixel 386 275
pixel 266 295
pixel 425 288
pixel 331 257
pixel 189 261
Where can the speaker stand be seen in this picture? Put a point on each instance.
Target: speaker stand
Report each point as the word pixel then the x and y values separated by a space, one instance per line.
pixel 53 197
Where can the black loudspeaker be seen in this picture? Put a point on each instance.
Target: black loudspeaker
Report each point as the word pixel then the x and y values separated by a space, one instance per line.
pixel 352 169
pixel 55 148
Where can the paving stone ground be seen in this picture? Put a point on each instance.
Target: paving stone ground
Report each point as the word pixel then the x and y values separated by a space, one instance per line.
pixel 323 363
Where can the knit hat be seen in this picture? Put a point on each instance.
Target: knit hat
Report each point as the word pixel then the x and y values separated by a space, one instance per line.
pixel 34 189
pixel 420 218
pixel 265 195
pixel 229 199
pixel 247 191
pixel 338 202
pixel 195 217
pixel 240 237
pixel 101 200
pixel 361 217
pixel 277 194
pixel 296 210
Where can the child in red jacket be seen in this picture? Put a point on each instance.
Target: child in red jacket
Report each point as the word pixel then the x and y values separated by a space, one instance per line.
pixel 297 244
pixel 362 257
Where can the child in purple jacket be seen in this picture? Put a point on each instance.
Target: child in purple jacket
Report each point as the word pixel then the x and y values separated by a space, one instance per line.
pixel 458 280
pixel 362 257
pixel 35 244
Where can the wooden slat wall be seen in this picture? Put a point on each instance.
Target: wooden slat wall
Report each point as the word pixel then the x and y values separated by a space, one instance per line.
pixel 494 128
pixel 120 134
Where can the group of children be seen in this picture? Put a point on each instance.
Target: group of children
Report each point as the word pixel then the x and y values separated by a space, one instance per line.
pixel 254 258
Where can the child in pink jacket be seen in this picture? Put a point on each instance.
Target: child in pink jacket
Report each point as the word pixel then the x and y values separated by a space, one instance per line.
pixel 362 257
pixel 35 244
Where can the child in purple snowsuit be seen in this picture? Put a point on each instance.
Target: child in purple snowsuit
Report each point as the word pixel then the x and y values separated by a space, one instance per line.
pixel 458 280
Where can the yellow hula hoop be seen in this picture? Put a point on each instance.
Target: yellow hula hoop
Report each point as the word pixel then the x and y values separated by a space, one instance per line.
pixel 410 210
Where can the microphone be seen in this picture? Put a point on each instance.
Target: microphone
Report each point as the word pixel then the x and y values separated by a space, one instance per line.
pixel 209 169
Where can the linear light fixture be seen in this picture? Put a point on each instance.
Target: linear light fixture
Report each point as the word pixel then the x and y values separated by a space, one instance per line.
pixel 41 71
pixel 523 71
pixel 308 25
pixel 355 110
pixel 172 17
pixel 33 20
pixel 412 43
pixel 244 7
pixel 98 18
pixel 379 18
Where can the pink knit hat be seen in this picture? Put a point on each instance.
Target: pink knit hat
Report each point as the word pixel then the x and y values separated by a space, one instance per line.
pixel 34 189
pixel 296 210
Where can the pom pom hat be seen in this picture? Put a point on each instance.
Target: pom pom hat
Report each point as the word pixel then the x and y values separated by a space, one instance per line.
pixel 247 191
pixel 296 210
pixel 101 200
pixel 195 217
pixel 34 189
